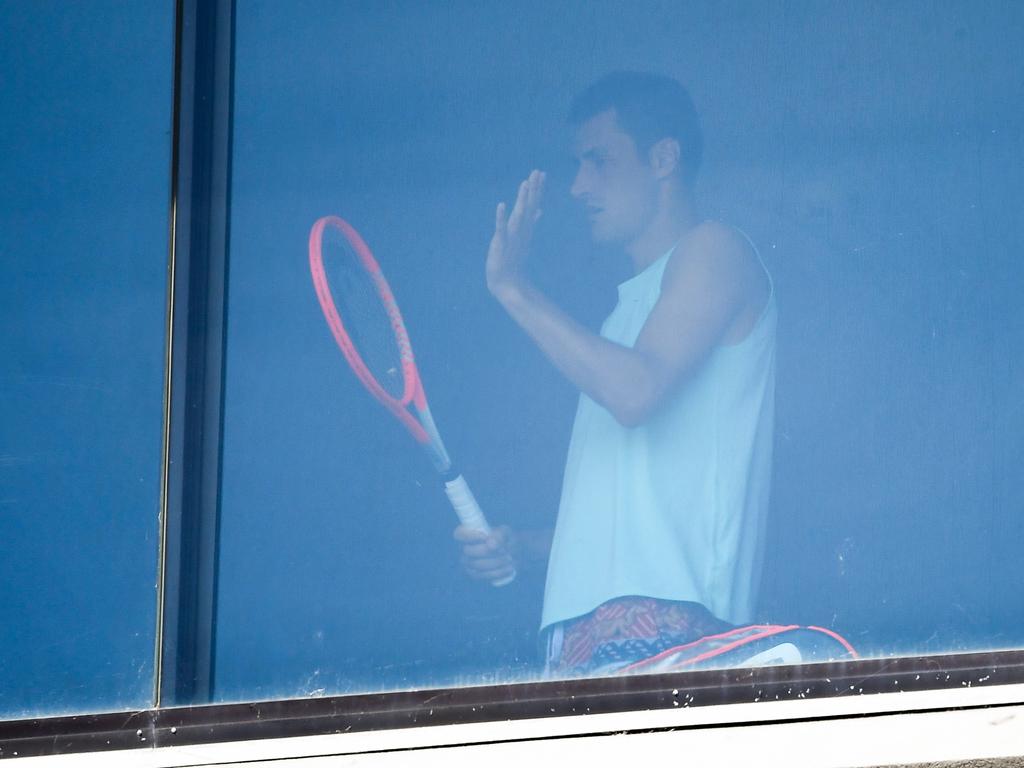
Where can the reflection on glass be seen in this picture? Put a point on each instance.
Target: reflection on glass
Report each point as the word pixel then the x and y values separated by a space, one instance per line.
pixel 748 362
pixel 85 117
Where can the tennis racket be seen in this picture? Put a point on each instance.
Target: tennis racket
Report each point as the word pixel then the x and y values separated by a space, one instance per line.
pixel 367 325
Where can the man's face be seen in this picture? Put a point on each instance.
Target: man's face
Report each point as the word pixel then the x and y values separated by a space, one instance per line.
pixel 615 183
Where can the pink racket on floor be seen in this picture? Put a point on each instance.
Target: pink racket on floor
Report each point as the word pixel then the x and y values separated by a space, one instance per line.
pixel 367 325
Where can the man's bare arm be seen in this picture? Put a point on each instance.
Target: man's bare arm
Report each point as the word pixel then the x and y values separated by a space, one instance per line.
pixel 710 283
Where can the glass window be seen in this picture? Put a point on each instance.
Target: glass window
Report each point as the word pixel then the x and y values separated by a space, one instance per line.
pixel 86 123
pixel 831 446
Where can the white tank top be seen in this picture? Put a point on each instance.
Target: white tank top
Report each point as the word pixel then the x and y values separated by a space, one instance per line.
pixel 674 508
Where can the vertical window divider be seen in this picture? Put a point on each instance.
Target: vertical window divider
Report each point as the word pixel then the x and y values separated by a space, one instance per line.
pixel 197 302
pixel 165 447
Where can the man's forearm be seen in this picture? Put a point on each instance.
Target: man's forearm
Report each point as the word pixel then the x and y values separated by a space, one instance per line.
pixel 616 377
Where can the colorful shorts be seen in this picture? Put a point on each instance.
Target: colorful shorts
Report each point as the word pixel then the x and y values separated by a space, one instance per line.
pixel 623 631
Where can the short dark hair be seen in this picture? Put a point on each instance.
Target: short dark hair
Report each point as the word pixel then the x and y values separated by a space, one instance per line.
pixel 649 108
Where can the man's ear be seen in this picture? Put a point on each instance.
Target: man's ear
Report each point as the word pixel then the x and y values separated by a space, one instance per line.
pixel 664 157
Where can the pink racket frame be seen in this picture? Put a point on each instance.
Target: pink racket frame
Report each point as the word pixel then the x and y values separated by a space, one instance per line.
pixel 413 388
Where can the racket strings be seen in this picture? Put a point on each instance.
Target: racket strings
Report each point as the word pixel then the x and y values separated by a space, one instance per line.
pixel 370 318
pixel 401 337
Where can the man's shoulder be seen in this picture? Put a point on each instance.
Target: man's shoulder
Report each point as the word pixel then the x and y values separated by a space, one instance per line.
pixel 716 240
pixel 719 251
pixel 716 266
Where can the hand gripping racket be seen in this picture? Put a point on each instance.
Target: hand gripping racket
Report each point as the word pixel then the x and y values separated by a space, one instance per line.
pixel 366 324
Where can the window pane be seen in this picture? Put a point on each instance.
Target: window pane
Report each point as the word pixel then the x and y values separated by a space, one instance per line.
pixel 869 154
pixel 86 121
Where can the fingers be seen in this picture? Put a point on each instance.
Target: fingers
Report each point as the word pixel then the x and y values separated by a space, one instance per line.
pixel 497 575
pixel 527 205
pixel 465 535
pixel 477 544
pixel 534 192
pixel 485 555
pixel 519 209
pixel 488 565
pixel 489 568
pixel 500 218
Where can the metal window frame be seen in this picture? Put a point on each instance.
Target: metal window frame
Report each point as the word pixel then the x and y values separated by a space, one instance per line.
pixel 822 687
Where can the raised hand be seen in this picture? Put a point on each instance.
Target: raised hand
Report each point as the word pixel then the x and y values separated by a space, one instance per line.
pixel 513 232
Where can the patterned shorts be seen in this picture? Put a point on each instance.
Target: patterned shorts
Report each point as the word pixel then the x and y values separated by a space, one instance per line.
pixel 623 631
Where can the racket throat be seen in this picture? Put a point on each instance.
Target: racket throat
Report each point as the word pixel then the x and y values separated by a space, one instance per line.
pixel 435 448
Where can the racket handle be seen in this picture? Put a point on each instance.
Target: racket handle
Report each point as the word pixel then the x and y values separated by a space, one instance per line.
pixel 470 514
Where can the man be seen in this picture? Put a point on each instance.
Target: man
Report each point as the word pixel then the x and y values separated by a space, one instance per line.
pixel 659 528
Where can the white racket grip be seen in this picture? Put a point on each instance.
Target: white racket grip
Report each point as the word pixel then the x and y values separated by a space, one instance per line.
pixel 470 514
